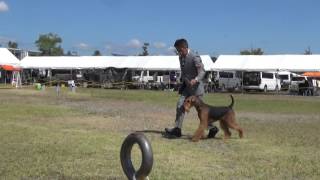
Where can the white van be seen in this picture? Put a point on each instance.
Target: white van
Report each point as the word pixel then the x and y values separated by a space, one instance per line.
pixel 228 80
pixel 285 79
pixel 144 77
pixel 265 81
pixel 304 85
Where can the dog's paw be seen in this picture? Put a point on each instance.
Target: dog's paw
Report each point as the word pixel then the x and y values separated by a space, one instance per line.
pixel 226 137
pixel 194 139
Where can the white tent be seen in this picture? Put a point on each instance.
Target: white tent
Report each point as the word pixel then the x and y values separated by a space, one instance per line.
pixel 90 62
pixel 59 62
pixel 160 63
pixel 301 63
pixel 7 58
pixel 268 62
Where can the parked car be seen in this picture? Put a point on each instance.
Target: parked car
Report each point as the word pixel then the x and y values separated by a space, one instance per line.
pixel 302 85
pixel 263 81
pixel 228 80
pixel 144 77
pixel 285 79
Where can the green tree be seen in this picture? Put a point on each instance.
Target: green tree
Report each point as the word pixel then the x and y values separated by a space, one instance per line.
pixel 257 51
pixel 69 53
pixel 307 51
pixel 12 44
pixel 96 53
pixel 49 45
pixel 145 51
pixel 213 58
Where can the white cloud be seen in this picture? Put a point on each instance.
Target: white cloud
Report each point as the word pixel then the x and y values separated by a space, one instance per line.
pixel 113 48
pixel 113 3
pixel 171 50
pixel 108 46
pixel 4 40
pixel 132 47
pixel 135 43
pixel 3 6
pixel 159 45
pixel 83 46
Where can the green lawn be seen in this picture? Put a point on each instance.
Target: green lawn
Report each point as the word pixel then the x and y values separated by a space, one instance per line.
pixel 79 135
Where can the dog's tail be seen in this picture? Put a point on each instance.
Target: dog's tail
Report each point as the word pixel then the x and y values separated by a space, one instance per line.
pixel 232 101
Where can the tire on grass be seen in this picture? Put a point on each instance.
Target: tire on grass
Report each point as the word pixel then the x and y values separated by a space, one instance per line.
pixel 147 156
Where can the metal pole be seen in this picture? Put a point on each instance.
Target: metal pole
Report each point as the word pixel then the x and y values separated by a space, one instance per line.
pixel 242 82
pixel 5 77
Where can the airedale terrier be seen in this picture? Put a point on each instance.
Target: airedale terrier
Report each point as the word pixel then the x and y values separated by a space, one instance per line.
pixel 209 114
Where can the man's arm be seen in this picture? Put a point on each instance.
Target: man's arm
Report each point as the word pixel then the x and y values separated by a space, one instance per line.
pixel 200 68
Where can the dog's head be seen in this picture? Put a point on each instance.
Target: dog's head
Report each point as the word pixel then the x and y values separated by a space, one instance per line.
pixel 190 102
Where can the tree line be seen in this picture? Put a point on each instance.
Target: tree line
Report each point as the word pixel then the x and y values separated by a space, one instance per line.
pixel 50 45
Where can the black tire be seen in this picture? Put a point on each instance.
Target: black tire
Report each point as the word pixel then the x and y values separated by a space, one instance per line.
pixel 147 156
pixel 265 89
pixel 237 87
pixel 223 88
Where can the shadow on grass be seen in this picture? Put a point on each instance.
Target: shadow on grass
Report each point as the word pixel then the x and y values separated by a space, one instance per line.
pixel 165 136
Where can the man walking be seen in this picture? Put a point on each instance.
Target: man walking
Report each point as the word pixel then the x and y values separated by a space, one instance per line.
pixel 192 74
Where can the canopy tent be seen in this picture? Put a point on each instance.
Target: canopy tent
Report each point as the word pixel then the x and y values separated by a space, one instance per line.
pixel 7 58
pixel 312 74
pixel 60 62
pixel 10 68
pixel 9 62
pixel 101 62
pixel 158 63
pixel 296 63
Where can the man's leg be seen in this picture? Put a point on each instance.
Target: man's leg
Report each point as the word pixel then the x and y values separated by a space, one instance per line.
pixel 180 112
pixel 213 130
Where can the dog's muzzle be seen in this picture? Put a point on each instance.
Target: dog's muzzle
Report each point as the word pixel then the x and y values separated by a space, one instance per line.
pixel 186 108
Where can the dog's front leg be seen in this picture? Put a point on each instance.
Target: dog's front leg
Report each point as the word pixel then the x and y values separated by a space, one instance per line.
pixel 199 133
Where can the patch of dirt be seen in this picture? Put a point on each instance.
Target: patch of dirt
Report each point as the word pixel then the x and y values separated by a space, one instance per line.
pixel 267 117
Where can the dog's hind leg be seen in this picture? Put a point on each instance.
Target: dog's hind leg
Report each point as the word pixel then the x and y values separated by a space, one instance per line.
pixel 234 125
pixel 224 127
pixel 238 128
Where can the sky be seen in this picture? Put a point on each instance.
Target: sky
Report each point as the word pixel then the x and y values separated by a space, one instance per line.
pixel 211 27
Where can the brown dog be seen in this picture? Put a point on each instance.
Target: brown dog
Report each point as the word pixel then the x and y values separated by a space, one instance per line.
pixel 209 114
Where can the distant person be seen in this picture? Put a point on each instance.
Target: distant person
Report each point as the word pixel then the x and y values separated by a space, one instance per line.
pixel 303 88
pixel 72 85
pixel 192 75
pixel 58 88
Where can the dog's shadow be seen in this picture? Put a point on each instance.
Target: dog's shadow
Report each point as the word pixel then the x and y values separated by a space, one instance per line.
pixel 165 136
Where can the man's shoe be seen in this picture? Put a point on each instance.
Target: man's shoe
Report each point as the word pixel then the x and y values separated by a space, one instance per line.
pixel 172 133
pixel 212 132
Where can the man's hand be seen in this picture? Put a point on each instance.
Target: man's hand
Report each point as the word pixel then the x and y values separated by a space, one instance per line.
pixel 193 82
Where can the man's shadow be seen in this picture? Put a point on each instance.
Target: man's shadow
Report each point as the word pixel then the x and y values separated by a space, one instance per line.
pixel 166 136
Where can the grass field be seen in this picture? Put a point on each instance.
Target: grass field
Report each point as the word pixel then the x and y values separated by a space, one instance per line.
pixel 79 135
